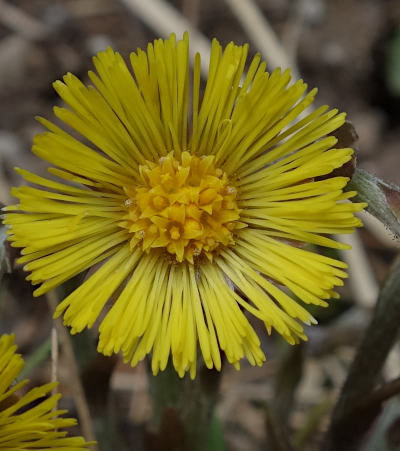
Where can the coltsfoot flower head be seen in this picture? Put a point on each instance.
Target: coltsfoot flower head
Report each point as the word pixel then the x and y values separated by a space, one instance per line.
pixel 22 424
pixel 196 209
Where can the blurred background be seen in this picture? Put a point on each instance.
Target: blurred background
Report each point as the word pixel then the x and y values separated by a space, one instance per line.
pixel 350 50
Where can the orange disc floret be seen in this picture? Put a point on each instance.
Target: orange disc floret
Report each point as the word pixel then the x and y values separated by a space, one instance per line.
pixel 186 205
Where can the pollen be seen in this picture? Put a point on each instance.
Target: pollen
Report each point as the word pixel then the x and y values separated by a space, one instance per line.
pixel 185 205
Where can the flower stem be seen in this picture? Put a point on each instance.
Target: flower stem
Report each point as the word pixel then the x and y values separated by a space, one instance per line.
pixel 350 419
pixel 184 408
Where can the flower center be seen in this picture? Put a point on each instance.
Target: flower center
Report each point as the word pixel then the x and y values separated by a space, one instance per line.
pixel 186 206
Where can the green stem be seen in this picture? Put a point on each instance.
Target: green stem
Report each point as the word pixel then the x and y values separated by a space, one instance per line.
pixel 286 382
pixel 35 359
pixel 313 419
pixel 184 408
pixel 349 419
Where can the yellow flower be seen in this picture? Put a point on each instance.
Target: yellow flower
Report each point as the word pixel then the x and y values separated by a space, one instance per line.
pixel 194 204
pixel 32 421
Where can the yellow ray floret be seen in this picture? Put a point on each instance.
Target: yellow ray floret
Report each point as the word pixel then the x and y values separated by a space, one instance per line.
pixel 39 424
pixel 194 212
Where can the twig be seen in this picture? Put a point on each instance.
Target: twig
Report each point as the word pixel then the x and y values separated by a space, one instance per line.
pixel 381 394
pixel 380 231
pixel 54 356
pixel 75 381
pixel 5 265
pixel 361 277
pixel 261 34
pixel 366 367
pixel 22 23
pixel 164 19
